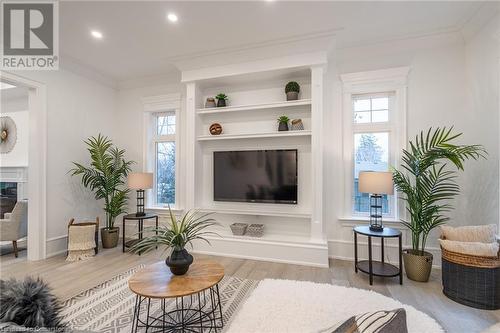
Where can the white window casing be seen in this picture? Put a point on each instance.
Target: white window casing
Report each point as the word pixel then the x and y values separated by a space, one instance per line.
pixel 392 82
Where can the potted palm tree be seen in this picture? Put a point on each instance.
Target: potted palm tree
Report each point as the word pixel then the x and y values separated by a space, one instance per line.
pixel 175 237
pixel 427 184
pixel 106 176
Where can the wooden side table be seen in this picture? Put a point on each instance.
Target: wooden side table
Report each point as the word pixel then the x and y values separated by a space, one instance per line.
pixel 195 305
pixel 378 268
pixel 140 227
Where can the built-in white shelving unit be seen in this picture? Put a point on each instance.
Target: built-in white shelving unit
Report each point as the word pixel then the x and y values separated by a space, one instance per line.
pixel 256 213
pixel 293 233
pixel 253 135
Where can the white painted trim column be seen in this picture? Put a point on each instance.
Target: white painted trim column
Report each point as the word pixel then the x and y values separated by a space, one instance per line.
pixel 37 168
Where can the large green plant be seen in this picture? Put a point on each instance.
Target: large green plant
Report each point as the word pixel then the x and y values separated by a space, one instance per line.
pixel 106 176
pixel 178 233
pixel 427 184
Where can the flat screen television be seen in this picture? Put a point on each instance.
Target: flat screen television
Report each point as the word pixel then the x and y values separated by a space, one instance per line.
pixel 265 176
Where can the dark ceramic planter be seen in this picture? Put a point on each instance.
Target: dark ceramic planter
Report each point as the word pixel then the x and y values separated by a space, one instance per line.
pixel 283 127
pixel 179 261
pixel 292 96
pixel 221 103
pixel 109 237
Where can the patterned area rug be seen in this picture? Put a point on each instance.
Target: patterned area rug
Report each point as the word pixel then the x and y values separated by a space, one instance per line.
pixel 109 306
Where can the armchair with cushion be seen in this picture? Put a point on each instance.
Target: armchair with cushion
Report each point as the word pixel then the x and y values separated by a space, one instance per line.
pixel 14 224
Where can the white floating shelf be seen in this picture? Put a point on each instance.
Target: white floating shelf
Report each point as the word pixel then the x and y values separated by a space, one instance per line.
pixel 253 135
pixel 256 213
pixel 265 106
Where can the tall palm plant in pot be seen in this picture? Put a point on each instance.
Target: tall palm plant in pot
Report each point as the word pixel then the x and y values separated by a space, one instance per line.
pixel 106 177
pixel 427 184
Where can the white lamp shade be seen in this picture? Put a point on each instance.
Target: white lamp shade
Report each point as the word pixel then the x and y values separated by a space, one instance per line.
pixel 140 180
pixel 375 182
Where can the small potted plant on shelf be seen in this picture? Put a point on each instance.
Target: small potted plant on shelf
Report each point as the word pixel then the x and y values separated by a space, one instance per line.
pixel 283 123
pixel 292 90
pixel 210 102
pixel 427 185
pixel 176 236
pixel 221 100
pixel 106 176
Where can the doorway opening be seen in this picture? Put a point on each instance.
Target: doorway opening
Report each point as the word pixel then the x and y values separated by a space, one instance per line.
pixel 22 168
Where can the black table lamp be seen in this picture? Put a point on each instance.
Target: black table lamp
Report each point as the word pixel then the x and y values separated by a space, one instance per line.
pixel 376 183
pixel 140 181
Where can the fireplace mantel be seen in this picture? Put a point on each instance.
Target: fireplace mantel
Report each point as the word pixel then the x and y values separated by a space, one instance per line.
pixel 17 175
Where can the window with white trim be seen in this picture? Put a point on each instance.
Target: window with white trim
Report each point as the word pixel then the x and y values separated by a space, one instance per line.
pixel 371 135
pixel 164 146
pixel 374 126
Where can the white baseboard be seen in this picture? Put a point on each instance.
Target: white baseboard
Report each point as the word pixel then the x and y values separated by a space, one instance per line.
pixel 296 254
pixel 56 245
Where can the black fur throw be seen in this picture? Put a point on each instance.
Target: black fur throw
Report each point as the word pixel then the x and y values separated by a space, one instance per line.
pixel 29 303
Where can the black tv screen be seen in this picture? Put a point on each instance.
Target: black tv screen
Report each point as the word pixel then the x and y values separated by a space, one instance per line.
pixel 267 176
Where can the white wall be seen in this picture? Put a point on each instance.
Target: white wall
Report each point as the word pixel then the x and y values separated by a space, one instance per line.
pixel 77 107
pixel 447 86
pixel 482 56
pixel 450 83
pixel 130 120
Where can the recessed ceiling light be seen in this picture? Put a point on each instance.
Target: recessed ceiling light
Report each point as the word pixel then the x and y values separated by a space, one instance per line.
pixel 172 17
pixel 96 34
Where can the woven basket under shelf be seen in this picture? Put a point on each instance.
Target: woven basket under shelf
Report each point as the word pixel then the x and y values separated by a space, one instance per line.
pixel 471 280
pixel 255 230
pixel 238 229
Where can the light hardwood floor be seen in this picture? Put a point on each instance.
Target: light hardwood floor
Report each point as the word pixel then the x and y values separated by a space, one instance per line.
pixel 69 279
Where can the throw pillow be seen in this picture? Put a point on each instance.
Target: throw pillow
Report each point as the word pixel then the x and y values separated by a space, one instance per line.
pixel 480 233
pixel 471 248
pixel 373 322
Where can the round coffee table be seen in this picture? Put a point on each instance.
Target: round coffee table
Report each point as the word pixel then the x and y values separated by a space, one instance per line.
pixel 189 302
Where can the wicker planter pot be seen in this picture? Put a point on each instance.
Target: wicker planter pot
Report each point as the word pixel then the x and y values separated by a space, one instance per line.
pixel 471 280
pixel 418 266
pixel 109 237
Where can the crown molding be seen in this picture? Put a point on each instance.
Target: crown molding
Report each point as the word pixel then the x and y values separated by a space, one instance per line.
pixel 321 41
pixel 390 77
pixel 485 14
pixel 162 102
pixel 75 66
pixel 172 77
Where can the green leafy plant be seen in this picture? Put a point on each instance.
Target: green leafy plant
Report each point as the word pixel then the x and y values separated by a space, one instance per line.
pixel 178 233
pixel 221 96
pixel 283 120
pixel 105 176
pixel 427 184
pixel 292 86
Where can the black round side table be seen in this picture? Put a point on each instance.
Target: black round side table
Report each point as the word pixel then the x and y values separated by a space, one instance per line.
pixel 140 227
pixel 377 268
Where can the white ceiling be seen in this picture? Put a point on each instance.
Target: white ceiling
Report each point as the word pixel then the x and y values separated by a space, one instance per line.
pixel 139 41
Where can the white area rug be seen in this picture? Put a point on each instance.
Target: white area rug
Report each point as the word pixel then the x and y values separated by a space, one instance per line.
pixel 297 306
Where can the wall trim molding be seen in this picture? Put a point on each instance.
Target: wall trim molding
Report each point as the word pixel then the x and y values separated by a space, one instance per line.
pixel 37 169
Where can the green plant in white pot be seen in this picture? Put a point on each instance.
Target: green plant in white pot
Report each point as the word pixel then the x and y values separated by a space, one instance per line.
pixel 175 236
pixel 106 177
pixel 427 184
